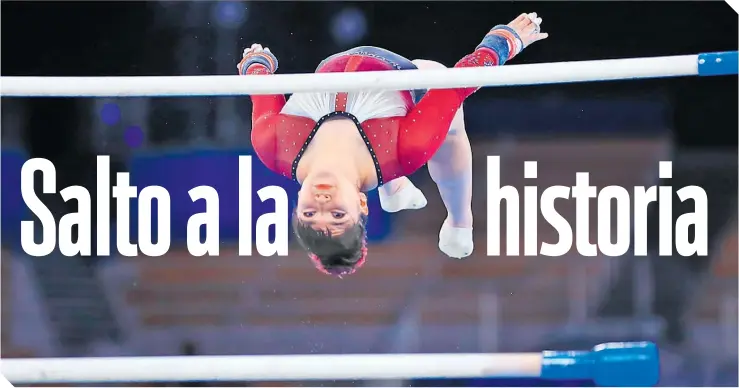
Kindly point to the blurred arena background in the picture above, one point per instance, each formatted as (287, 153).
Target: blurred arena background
(409, 297)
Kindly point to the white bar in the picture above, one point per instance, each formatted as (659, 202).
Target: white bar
(270, 368)
(534, 74)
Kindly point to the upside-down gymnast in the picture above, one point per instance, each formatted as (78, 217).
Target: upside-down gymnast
(340, 145)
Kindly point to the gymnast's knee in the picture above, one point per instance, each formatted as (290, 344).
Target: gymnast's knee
(425, 64)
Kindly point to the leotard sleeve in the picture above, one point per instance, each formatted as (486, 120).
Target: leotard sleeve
(265, 113)
(424, 128)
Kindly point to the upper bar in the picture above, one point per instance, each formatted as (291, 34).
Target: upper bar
(532, 74)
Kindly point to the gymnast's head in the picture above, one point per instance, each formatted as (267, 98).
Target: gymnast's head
(329, 221)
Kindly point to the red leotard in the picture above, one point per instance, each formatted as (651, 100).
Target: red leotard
(399, 145)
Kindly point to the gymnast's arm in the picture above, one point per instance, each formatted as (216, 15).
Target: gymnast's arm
(424, 128)
(265, 108)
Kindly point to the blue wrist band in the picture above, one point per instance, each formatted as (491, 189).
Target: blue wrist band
(498, 44)
(260, 59)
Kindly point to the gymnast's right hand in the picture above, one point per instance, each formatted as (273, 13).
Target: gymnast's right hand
(257, 56)
(528, 28)
(509, 40)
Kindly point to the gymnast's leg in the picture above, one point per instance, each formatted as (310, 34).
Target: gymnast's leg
(451, 169)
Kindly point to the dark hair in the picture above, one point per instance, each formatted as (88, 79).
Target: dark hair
(334, 255)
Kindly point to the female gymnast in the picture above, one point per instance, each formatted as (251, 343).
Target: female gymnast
(340, 145)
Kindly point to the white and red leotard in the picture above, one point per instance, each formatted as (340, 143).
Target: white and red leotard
(401, 136)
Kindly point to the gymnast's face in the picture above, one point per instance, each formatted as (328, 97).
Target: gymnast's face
(325, 201)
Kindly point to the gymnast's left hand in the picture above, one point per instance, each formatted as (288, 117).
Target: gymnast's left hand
(256, 54)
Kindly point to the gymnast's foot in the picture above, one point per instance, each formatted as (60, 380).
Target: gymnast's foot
(406, 197)
(455, 242)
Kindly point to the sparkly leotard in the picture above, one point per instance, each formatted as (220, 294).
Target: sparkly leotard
(400, 134)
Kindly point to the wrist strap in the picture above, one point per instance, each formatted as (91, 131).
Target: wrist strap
(264, 58)
(504, 41)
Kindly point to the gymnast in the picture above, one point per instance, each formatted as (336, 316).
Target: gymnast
(340, 145)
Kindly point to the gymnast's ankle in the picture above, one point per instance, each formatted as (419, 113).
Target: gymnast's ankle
(462, 221)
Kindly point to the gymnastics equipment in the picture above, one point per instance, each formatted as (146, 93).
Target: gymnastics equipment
(613, 364)
(708, 64)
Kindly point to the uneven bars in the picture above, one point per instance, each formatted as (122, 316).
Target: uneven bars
(612, 364)
(533, 74)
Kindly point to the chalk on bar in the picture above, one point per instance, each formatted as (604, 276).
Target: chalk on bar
(617, 364)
